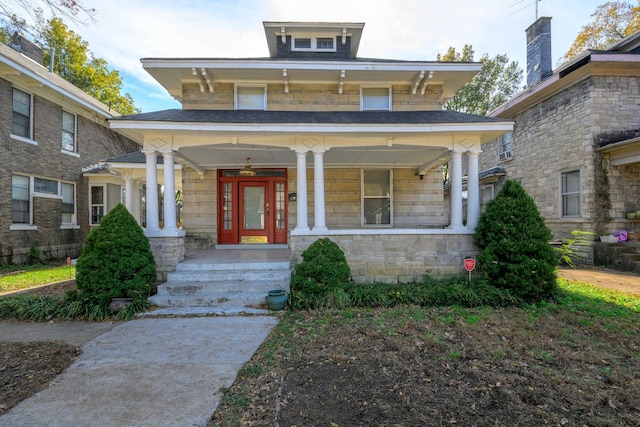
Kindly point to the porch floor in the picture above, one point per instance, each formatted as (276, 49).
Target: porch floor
(238, 253)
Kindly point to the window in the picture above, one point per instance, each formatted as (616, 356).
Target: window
(375, 98)
(97, 204)
(68, 203)
(47, 186)
(376, 197)
(570, 194)
(21, 118)
(68, 132)
(20, 200)
(504, 146)
(326, 44)
(251, 98)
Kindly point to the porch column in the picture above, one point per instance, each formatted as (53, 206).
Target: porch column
(318, 191)
(169, 192)
(456, 190)
(152, 192)
(128, 190)
(473, 190)
(301, 172)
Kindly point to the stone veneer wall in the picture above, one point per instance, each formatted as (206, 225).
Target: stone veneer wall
(397, 258)
(310, 97)
(167, 252)
(200, 207)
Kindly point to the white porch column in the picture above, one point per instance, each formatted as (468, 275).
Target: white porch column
(473, 190)
(301, 173)
(169, 192)
(318, 191)
(152, 192)
(456, 190)
(128, 190)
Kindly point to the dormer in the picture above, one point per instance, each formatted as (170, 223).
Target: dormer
(313, 40)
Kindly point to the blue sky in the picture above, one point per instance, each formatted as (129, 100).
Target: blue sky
(126, 30)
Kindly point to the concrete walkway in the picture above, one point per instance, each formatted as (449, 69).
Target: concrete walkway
(146, 372)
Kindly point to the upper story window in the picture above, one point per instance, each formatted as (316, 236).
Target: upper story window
(327, 44)
(376, 196)
(504, 146)
(570, 193)
(251, 97)
(375, 99)
(21, 124)
(68, 132)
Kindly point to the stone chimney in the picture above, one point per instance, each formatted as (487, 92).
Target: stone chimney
(21, 44)
(538, 51)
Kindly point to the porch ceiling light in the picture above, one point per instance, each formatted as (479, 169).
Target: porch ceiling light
(247, 170)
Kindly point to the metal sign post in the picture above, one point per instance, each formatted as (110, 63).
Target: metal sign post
(469, 265)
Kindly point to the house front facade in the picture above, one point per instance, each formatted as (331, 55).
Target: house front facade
(575, 146)
(49, 132)
(311, 142)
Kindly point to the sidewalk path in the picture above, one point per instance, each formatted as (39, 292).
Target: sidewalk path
(147, 372)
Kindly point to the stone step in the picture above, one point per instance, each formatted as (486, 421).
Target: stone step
(230, 275)
(263, 286)
(227, 266)
(216, 300)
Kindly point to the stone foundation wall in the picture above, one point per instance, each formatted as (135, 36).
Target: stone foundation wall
(397, 257)
(167, 252)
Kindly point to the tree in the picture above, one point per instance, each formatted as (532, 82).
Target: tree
(13, 13)
(612, 22)
(497, 81)
(74, 62)
(514, 243)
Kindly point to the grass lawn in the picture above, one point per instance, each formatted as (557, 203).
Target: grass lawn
(25, 277)
(575, 361)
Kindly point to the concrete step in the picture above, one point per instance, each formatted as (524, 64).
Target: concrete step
(192, 276)
(218, 299)
(226, 266)
(207, 287)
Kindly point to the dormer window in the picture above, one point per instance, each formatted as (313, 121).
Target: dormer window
(323, 44)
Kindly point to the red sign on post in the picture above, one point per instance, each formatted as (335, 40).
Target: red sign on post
(469, 264)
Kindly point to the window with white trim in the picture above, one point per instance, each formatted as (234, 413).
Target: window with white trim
(570, 194)
(375, 99)
(96, 203)
(504, 146)
(21, 123)
(68, 192)
(45, 186)
(251, 97)
(322, 44)
(376, 196)
(20, 199)
(68, 132)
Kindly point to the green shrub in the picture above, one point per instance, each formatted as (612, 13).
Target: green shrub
(514, 242)
(35, 256)
(116, 261)
(319, 280)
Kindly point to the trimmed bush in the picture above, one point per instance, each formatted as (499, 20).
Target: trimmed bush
(319, 280)
(116, 261)
(514, 242)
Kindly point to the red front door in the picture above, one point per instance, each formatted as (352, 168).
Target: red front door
(252, 209)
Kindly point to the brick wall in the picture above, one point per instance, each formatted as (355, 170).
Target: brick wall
(94, 141)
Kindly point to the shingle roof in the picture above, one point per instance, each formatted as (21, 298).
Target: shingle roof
(135, 157)
(311, 117)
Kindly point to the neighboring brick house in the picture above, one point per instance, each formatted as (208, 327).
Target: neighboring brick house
(575, 146)
(49, 131)
(368, 136)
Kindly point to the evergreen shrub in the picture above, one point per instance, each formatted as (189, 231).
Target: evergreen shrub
(514, 242)
(320, 279)
(116, 261)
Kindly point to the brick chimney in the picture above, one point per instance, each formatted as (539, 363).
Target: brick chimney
(538, 51)
(21, 44)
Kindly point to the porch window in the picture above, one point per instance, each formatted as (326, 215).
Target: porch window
(570, 193)
(97, 204)
(504, 146)
(21, 124)
(251, 97)
(68, 132)
(375, 98)
(376, 197)
(20, 200)
(68, 203)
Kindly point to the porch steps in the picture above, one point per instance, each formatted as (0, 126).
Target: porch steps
(623, 256)
(222, 285)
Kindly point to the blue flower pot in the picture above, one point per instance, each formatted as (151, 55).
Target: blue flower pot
(277, 299)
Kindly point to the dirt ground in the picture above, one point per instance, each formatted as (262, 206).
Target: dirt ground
(391, 374)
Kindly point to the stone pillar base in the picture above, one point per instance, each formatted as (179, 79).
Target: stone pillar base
(167, 252)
